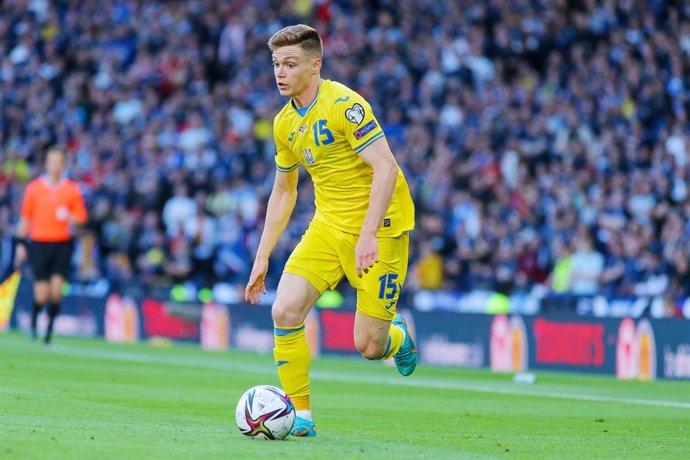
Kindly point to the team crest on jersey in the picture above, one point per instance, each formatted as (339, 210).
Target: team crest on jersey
(302, 128)
(355, 114)
(308, 157)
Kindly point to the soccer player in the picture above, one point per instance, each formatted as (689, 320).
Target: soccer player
(52, 207)
(360, 228)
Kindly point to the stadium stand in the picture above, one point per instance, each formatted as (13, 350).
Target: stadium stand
(544, 142)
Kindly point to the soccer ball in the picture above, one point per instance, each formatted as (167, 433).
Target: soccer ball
(266, 412)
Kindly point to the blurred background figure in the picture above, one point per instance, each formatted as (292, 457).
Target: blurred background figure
(586, 265)
(508, 117)
(51, 209)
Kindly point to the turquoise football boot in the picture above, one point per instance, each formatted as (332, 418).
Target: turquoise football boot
(303, 428)
(406, 358)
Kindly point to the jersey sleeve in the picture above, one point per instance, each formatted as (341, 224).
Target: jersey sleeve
(77, 206)
(28, 203)
(352, 115)
(285, 159)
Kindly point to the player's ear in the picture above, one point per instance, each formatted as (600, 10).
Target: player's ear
(316, 65)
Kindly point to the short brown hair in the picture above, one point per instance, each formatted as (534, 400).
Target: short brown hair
(56, 149)
(300, 35)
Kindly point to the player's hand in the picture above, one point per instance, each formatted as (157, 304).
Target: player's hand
(256, 284)
(366, 252)
(20, 255)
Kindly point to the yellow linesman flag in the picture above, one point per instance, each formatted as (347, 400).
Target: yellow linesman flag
(8, 292)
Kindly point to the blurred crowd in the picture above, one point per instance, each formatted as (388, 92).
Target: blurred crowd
(545, 142)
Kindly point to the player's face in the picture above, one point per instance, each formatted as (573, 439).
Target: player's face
(293, 70)
(55, 163)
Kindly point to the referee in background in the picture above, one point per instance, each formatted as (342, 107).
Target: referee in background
(52, 207)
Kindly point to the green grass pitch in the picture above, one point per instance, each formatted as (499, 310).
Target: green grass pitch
(93, 400)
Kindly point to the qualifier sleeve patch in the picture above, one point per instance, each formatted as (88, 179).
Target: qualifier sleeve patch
(366, 129)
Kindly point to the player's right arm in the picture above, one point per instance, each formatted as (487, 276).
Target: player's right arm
(20, 254)
(22, 232)
(280, 206)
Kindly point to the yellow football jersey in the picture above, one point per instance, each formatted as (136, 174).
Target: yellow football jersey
(326, 139)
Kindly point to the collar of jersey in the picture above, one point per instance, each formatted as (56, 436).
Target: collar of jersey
(48, 184)
(309, 107)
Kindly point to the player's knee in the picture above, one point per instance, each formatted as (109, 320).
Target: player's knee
(41, 292)
(370, 349)
(41, 297)
(285, 315)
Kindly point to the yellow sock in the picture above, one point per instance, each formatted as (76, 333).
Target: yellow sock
(395, 339)
(292, 358)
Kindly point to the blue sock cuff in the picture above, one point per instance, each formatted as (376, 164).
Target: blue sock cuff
(283, 331)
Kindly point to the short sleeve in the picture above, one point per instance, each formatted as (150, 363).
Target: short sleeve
(77, 205)
(285, 159)
(27, 211)
(354, 117)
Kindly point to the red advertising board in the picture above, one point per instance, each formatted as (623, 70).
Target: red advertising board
(160, 323)
(338, 330)
(569, 343)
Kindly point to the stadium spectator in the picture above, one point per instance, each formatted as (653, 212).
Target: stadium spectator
(507, 116)
(586, 267)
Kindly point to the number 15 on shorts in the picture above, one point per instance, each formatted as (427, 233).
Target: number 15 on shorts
(388, 286)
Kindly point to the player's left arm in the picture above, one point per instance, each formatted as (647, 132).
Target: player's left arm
(379, 156)
(77, 208)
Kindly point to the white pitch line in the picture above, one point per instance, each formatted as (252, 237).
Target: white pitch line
(447, 385)
(421, 382)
